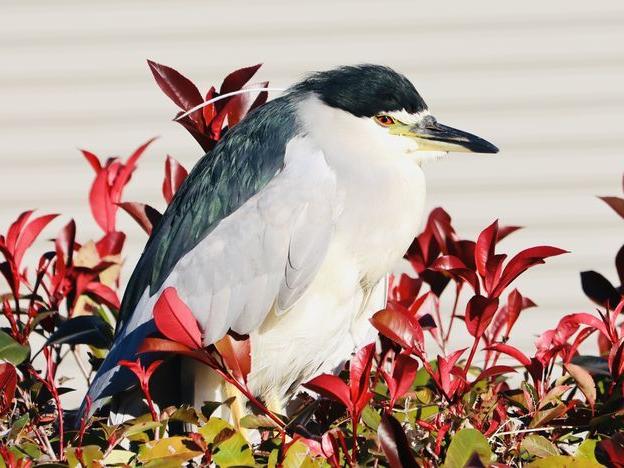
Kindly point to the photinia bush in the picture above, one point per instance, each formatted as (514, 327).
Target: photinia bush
(408, 399)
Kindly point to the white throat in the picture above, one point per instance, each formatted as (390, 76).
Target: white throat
(347, 140)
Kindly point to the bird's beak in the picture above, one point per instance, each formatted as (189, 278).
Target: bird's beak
(434, 136)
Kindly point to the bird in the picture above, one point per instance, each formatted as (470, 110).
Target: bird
(286, 231)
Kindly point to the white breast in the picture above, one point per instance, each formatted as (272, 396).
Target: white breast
(382, 197)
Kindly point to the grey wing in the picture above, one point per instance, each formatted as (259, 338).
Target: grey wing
(261, 256)
(264, 255)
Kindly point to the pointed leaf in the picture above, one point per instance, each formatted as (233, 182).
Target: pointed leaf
(145, 215)
(394, 442)
(177, 87)
(599, 289)
(616, 203)
(510, 351)
(479, 313)
(237, 356)
(174, 176)
(93, 160)
(175, 320)
(332, 387)
(522, 261)
(238, 78)
(359, 372)
(8, 384)
(463, 445)
(84, 329)
(584, 381)
(103, 294)
(11, 350)
(29, 234)
(485, 246)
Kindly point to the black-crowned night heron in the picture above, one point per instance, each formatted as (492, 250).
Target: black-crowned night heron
(288, 226)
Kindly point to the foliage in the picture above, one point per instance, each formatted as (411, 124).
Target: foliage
(409, 399)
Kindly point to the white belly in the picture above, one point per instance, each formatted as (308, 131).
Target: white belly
(328, 322)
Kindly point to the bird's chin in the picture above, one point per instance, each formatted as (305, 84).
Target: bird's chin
(426, 156)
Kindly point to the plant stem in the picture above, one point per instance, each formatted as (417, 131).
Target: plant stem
(473, 350)
(458, 288)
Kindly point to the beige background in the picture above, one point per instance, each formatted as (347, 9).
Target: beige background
(543, 80)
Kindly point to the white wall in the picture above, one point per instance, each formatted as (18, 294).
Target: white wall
(543, 80)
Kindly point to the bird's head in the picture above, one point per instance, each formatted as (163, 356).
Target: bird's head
(374, 108)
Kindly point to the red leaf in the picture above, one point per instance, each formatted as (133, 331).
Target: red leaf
(157, 345)
(176, 321)
(111, 244)
(66, 240)
(29, 234)
(516, 303)
(103, 294)
(479, 313)
(400, 326)
(332, 387)
(493, 372)
(616, 203)
(238, 106)
(101, 203)
(141, 373)
(406, 291)
(394, 443)
(145, 215)
(504, 231)
(400, 380)
(457, 268)
(210, 111)
(15, 229)
(174, 176)
(510, 351)
(485, 247)
(8, 384)
(523, 261)
(359, 376)
(180, 89)
(238, 78)
(616, 359)
(583, 318)
(610, 452)
(237, 356)
(126, 171)
(93, 160)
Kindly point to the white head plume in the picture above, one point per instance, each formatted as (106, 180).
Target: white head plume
(226, 95)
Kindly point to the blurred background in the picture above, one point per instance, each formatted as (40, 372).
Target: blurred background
(542, 80)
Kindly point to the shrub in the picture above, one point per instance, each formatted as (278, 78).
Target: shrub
(409, 399)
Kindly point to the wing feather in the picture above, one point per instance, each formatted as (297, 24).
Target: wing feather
(261, 258)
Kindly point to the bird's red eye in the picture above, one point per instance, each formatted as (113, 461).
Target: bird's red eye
(384, 120)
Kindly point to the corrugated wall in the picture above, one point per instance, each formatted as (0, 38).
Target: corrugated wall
(543, 80)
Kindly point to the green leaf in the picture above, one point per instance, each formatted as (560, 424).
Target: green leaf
(90, 453)
(139, 428)
(118, 457)
(539, 446)
(213, 428)
(587, 450)
(168, 452)
(296, 456)
(371, 418)
(542, 417)
(11, 350)
(233, 451)
(463, 445)
(560, 461)
(256, 421)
